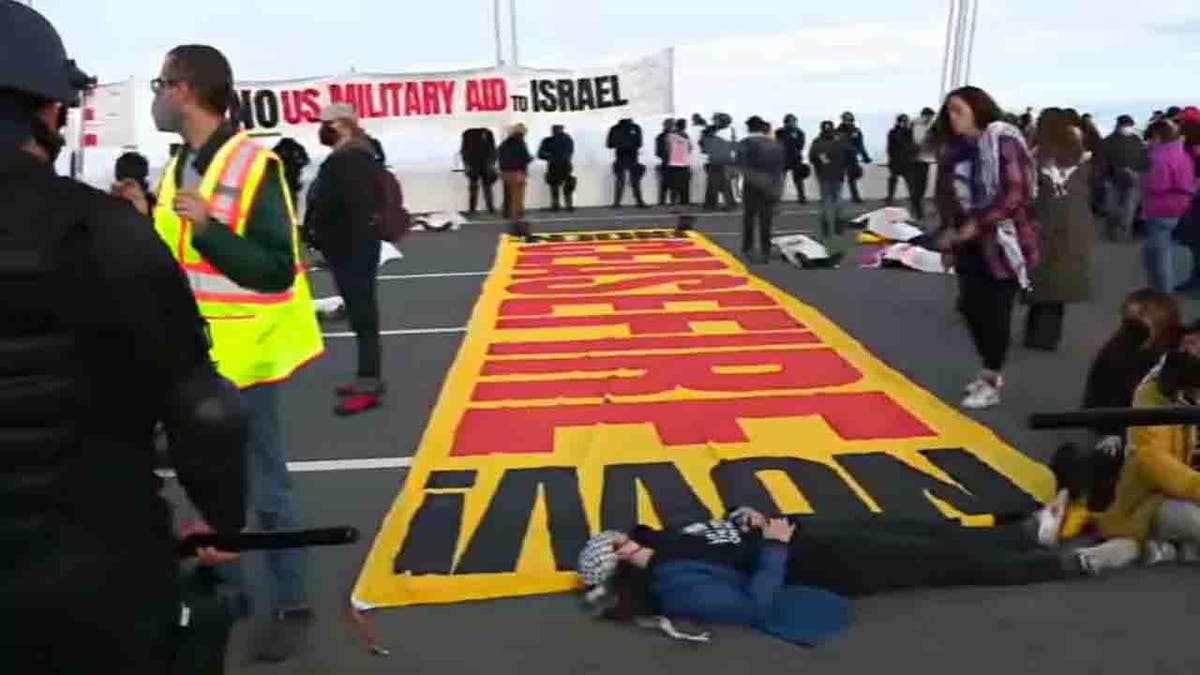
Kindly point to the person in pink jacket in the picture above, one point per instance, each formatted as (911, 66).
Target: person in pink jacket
(1167, 190)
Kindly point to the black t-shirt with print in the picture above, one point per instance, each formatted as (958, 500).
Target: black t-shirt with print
(716, 541)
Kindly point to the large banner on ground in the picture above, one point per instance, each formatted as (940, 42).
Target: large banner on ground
(610, 379)
(642, 87)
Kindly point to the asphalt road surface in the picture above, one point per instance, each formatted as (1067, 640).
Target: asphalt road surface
(1139, 621)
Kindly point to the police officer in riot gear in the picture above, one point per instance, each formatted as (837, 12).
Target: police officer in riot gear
(625, 140)
(556, 150)
(100, 339)
(478, 153)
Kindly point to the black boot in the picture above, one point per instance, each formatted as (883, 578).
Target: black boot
(554, 197)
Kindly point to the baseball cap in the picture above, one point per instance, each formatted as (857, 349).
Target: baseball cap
(339, 111)
(1190, 114)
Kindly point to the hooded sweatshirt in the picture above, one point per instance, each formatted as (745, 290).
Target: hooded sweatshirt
(1169, 186)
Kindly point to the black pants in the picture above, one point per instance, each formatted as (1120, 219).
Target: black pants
(680, 180)
(798, 181)
(718, 185)
(875, 557)
(918, 186)
(562, 184)
(632, 173)
(354, 272)
(894, 179)
(476, 181)
(759, 208)
(987, 305)
(854, 172)
(1043, 325)
(664, 183)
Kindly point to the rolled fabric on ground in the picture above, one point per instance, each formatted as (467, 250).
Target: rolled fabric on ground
(1125, 417)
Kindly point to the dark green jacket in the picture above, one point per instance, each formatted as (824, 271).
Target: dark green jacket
(262, 260)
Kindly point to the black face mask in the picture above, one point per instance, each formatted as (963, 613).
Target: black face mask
(1134, 332)
(51, 140)
(328, 136)
(1180, 373)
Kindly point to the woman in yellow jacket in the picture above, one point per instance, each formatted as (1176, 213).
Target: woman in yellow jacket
(1158, 491)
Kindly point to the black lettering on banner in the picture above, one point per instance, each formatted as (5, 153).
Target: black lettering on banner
(739, 484)
(902, 491)
(543, 96)
(433, 531)
(586, 95)
(616, 88)
(566, 95)
(520, 103)
(496, 544)
(603, 93)
(266, 109)
(246, 108)
(674, 501)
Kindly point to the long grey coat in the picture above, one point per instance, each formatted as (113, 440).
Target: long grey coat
(1068, 235)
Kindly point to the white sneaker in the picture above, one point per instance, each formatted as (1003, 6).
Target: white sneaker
(983, 396)
(1159, 552)
(1113, 554)
(1189, 552)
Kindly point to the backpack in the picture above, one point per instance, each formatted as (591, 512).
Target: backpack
(392, 219)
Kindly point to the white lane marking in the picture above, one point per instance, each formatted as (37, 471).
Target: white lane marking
(402, 331)
(434, 275)
(325, 465)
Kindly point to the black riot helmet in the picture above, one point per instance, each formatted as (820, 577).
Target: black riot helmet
(33, 59)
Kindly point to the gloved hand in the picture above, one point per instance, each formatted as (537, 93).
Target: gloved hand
(1111, 446)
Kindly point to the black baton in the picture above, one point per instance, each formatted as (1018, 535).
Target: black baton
(264, 541)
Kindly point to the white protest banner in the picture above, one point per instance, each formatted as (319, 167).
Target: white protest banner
(642, 87)
(108, 116)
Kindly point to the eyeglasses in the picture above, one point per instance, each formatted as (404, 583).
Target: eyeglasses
(160, 83)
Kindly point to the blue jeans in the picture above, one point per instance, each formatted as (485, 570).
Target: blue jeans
(1156, 252)
(272, 502)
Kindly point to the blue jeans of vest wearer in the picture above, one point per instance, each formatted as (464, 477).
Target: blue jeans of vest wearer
(272, 506)
(1156, 252)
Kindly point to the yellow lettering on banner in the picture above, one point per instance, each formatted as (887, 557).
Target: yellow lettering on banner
(611, 379)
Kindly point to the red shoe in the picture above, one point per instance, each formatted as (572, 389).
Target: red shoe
(357, 403)
(353, 389)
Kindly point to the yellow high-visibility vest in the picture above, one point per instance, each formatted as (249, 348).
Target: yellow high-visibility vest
(257, 337)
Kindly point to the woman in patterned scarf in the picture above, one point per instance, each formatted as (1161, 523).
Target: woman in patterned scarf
(985, 192)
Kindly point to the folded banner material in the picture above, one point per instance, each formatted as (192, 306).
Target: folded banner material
(613, 378)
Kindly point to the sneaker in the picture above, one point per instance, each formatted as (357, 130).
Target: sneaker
(356, 387)
(1111, 555)
(1189, 552)
(277, 639)
(1050, 519)
(357, 403)
(984, 396)
(1159, 552)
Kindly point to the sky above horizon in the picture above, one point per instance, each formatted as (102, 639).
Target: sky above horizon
(778, 54)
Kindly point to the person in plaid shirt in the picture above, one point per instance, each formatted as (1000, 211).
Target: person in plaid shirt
(985, 192)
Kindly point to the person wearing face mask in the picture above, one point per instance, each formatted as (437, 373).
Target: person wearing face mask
(902, 156)
(1158, 491)
(341, 214)
(557, 150)
(101, 339)
(1125, 159)
(828, 157)
(225, 215)
(791, 138)
(855, 148)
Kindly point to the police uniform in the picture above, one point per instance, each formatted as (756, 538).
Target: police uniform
(99, 340)
(557, 150)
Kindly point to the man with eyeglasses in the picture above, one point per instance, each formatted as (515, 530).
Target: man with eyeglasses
(224, 211)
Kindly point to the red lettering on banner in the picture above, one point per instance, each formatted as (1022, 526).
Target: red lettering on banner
(530, 259)
(577, 285)
(392, 91)
(790, 369)
(474, 97)
(430, 98)
(291, 106)
(661, 322)
(857, 416)
(412, 99)
(446, 88)
(627, 303)
(649, 343)
(598, 269)
(310, 105)
(373, 105)
(496, 93)
(585, 248)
